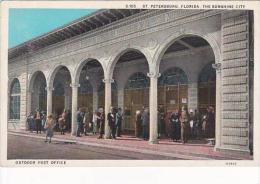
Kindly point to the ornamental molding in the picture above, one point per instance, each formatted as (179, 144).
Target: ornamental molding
(74, 85)
(154, 75)
(108, 80)
(217, 67)
(49, 88)
(127, 29)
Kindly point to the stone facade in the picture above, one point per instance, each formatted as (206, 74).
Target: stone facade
(151, 33)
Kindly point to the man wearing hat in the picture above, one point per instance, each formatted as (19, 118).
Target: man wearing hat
(184, 119)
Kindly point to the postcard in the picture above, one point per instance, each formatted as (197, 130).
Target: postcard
(158, 83)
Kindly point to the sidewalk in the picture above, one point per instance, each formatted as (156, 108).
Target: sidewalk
(195, 150)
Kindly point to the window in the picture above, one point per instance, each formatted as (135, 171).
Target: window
(15, 100)
(137, 81)
(173, 76)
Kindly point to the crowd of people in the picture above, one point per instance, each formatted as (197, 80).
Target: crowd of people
(180, 125)
(186, 125)
(96, 123)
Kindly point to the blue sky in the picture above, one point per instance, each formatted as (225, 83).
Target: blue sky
(25, 24)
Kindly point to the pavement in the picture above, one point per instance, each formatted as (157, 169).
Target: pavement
(166, 149)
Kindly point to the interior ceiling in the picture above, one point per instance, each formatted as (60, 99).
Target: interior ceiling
(185, 43)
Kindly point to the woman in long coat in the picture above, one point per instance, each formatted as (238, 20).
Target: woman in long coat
(175, 126)
(49, 125)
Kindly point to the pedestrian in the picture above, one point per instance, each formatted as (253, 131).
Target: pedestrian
(30, 121)
(61, 123)
(175, 126)
(43, 120)
(204, 126)
(119, 118)
(197, 124)
(38, 121)
(145, 123)
(192, 124)
(68, 120)
(101, 120)
(111, 117)
(138, 123)
(86, 121)
(79, 121)
(184, 120)
(95, 122)
(159, 127)
(211, 122)
(49, 126)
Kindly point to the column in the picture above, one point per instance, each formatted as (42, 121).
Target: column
(29, 102)
(107, 104)
(74, 108)
(153, 107)
(66, 98)
(95, 100)
(49, 99)
(217, 67)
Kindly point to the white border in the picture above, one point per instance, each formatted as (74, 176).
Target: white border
(253, 5)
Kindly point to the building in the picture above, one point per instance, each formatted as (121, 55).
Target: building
(133, 58)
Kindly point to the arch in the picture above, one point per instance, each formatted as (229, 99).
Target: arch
(137, 80)
(33, 77)
(170, 40)
(53, 73)
(173, 76)
(79, 68)
(115, 58)
(15, 99)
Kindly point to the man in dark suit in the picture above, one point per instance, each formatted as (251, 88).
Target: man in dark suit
(119, 122)
(111, 117)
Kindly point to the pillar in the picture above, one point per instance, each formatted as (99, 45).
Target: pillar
(108, 100)
(49, 99)
(29, 102)
(218, 106)
(153, 139)
(235, 34)
(67, 98)
(74, 108)
(95, 100)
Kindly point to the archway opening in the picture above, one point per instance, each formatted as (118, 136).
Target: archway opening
(172, 93)
(38, 92)
(15, 100)
(91, 77)
(136, 99)
(184, 82)
(133, 88)
(62, 93)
